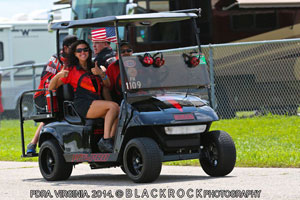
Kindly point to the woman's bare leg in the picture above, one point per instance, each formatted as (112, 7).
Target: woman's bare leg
(106, 109)
(114, 128)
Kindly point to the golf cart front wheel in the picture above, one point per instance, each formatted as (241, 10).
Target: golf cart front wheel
(52, 164)
(218, 155)
(142, 160)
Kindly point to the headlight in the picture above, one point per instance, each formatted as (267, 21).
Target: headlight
(183, 130)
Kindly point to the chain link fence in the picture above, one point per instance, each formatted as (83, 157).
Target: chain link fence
(246, 78)
(261, 77)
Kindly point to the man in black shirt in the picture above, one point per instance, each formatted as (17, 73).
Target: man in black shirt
(104, 55)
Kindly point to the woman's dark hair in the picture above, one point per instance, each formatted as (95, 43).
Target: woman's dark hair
(73, 60)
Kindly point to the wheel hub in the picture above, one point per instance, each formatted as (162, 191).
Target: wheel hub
(212, 155)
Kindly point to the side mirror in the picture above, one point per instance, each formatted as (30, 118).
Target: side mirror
(50, 20)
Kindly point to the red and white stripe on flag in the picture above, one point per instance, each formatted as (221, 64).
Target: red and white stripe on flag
(104, 34)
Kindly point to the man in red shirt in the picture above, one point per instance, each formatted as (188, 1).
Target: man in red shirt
(50, 70)
(113, 72)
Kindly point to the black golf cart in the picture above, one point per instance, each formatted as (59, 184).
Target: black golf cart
(162, 115)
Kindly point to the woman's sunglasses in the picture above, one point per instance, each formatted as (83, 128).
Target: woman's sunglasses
(79, 50)
(126, 50)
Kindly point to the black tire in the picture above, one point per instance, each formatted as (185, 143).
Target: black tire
(219, 154)
(142, 160)
(123, 169)
(52, 164)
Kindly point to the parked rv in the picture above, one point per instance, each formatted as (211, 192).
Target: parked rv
(23, 42)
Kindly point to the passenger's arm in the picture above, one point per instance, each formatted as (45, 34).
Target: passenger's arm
(55, 81)
(106, 94)
(106, 81)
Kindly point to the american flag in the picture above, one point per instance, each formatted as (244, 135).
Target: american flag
(104, 34)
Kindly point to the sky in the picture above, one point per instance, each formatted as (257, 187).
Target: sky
(8, 8)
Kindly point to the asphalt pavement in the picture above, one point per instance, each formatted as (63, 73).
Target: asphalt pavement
(22, 180)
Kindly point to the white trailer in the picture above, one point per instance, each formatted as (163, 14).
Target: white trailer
(23, 42)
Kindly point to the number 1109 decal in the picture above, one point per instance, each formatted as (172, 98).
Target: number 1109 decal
(133, 85)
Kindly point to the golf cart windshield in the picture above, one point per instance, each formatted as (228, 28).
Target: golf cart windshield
(174, 73)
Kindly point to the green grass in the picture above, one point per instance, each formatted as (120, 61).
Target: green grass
(273, 141)
(10, 139)
(268, 141)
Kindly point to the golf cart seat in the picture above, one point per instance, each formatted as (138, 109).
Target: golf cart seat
(71, 115)
(92, 127)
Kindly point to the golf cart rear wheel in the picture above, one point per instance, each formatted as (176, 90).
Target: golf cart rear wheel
(52, 164)
(142, 160)
(218, 155)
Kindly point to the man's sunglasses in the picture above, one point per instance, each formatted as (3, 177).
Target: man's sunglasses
(126, 50)
(79, 50)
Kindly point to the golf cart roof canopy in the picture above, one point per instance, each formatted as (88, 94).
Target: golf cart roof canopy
(136, 19)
